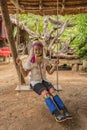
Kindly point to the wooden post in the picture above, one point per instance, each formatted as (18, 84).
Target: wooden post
(75, 67)
(8, 25)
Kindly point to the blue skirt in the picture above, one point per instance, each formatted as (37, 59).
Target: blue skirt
(39, 87)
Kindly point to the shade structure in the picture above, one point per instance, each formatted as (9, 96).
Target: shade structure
(48, 7)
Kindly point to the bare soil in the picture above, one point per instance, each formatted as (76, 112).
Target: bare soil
(27, 110)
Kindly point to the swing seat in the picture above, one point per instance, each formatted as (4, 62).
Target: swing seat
(28, 88)
(23, 88)
(58, 88)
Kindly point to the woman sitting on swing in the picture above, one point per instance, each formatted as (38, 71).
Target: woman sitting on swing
(38, 65)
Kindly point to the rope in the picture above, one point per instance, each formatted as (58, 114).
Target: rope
(57, 74)
(17, 17)
(18, 39)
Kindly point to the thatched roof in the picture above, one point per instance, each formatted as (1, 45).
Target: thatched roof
(48, 7)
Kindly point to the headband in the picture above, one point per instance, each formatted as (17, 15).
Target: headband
(37, 43)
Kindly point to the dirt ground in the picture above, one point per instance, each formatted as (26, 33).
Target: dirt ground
(27, 111)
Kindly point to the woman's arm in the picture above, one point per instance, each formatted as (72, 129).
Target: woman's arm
(23, 71)
(50, 69)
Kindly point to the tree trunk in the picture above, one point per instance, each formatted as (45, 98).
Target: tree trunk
(10, 37)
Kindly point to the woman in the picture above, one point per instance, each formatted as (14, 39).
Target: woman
(36, 66)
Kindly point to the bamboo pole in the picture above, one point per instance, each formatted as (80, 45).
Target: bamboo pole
(8, 26)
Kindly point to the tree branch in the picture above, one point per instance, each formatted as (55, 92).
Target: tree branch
(58, 35)
(64, 56)
(53, 21)
(23, 27)
(65, 45)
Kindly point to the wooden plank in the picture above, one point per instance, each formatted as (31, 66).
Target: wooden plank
(76, 6)
(65, 61)
(51, 12)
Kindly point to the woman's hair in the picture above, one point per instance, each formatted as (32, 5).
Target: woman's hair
(32, 56)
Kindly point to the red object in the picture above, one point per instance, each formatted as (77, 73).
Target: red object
(5, 51)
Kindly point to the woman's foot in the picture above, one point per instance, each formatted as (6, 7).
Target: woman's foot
(59, 117)
(67, 115)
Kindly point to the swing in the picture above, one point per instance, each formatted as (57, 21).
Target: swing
(28, 87)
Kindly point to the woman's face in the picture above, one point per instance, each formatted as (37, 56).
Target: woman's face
(38, 51)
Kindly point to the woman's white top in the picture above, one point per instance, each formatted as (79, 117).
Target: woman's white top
(38, 72)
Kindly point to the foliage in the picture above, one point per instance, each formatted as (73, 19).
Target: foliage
(36, 23)
(32, 21)
(81, 40)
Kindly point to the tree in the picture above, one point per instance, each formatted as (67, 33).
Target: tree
(49, 30)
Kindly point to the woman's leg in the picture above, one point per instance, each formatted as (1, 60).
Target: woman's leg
(59, 103)
(56, 98)
(49, 102)
(51, 106)
(42, 90)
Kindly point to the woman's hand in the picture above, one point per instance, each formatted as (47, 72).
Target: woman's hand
(23, 71)
(56, 63)
(19, 62)
(50, 69)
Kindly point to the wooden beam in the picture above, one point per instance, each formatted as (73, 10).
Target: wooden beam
(8, 26)
(52, 11)
(17, 5)
(40, 5)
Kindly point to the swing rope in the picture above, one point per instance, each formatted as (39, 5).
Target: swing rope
(17, 36)
(57, 74)
(20, 86)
